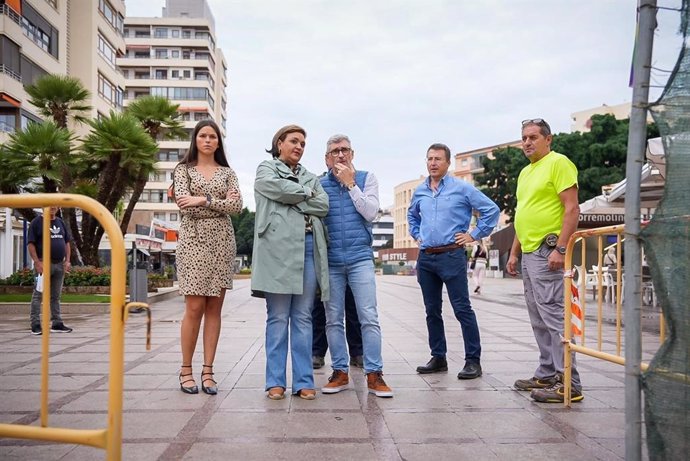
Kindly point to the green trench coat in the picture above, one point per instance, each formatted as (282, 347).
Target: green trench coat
(282, 199)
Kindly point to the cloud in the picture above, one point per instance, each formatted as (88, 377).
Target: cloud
(398, 75)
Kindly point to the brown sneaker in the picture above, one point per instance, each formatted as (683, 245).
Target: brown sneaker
(338, 381)
(377, 385)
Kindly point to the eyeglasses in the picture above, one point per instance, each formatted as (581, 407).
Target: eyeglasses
(536, 121)
(340, 150)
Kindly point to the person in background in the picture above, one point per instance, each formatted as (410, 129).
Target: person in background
(479, 260)
(610, 257)
(207, 191)
(59, 266)
(439, 217)
(353, 205)
(546, 216)
(290, 259)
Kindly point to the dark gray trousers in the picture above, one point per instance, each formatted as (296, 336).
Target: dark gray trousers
(57, 276)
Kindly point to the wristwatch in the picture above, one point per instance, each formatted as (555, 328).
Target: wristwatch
(208, 199)
(561, 249)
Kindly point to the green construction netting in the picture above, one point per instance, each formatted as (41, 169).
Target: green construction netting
(666, 384)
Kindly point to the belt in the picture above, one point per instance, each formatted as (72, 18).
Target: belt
(442, 249)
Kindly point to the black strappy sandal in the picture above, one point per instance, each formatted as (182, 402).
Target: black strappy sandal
(210, 390)
(187, 389)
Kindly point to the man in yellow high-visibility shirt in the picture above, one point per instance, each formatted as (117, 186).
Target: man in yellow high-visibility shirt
(546, 216)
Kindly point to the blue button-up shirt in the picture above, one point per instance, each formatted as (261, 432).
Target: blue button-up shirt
(435, 217)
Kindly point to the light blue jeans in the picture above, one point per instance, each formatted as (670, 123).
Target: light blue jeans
(293, 312)
(360, 277)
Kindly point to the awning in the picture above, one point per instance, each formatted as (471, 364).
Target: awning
(11, 100)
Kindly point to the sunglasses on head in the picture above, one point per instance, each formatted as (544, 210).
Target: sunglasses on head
(536, 121)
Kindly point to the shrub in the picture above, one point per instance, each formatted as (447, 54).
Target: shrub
(88, 276)
(22, 277)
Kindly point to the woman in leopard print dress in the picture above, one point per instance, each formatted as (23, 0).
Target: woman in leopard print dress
(207, 192)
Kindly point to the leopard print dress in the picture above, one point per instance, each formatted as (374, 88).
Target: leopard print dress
(206, 244)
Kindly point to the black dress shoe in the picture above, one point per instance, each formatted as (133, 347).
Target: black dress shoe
(434, 365)
(472, 370)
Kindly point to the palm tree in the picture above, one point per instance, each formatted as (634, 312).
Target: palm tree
(159, 118)
(61, 98)
(119, 149)
(33, 152)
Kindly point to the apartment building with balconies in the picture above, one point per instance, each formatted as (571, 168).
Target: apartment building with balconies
(402, 196)
(174, 56)
(33, 43)
(80, 39)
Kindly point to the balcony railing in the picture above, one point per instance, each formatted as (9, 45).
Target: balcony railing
(13, 15)
(6, 70)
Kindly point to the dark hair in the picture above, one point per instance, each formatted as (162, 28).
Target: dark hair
(192, 155)
(439, 146)
(280, 136)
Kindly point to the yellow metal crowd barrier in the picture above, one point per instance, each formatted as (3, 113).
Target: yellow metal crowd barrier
(599, 279)
(109, 438)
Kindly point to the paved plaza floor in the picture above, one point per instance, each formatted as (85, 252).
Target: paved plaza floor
(432, 417)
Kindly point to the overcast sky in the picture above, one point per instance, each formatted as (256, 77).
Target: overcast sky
(399, 75)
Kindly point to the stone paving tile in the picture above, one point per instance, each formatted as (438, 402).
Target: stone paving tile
(232, 425)
(423, 427)
(432, 416)
(446, 452)
(258, 451)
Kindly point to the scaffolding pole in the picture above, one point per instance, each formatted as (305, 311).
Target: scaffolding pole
(637, 144)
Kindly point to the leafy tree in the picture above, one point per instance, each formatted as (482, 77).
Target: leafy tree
(243, 224)
(499, 179)
(600, 156)
(116, 150)
(159, 118)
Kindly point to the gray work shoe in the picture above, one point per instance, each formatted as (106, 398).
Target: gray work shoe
(534, 383)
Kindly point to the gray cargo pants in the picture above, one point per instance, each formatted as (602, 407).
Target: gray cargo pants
(544, 297)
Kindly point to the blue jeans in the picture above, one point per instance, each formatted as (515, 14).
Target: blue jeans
(433, 270)
(293, 312)
(353, 330)
(360, 277)
(57, 276)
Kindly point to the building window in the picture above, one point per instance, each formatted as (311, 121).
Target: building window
(161, 74)
(175, 54)
(187, 73)
(160, 32)
(186, 34)
(173, 216)
(175, 33)
(160, 216)
(114, 18)
(162, 53)
(39, 30)
(109, 92)
(107, 51)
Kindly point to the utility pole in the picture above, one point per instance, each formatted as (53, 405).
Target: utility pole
(637, 143)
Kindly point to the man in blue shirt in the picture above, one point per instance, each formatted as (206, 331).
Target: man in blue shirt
(439, 218)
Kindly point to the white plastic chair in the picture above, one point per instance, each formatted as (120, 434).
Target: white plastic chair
(607, 282)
